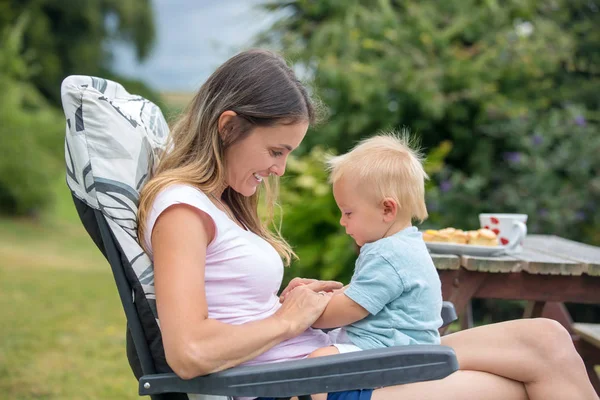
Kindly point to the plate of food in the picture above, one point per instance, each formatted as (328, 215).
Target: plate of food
(480, 242)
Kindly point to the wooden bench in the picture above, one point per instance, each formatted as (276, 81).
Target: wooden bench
(549, 272)
(588, 332)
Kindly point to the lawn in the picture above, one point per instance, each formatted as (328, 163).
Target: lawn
(63, 328)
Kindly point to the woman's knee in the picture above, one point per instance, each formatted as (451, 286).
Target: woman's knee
(551, 341)
(549, 333)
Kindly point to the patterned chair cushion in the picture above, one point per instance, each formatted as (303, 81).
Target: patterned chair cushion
(111, 144)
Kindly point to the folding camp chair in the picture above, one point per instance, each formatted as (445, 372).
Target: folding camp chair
(112, 141)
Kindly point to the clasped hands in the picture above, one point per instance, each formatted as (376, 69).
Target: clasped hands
(303, 302)
(321, 287)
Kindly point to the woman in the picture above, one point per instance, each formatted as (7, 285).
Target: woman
(218, 268)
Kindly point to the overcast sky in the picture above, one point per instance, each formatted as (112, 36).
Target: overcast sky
(193, 38)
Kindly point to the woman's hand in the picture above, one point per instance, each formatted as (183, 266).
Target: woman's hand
(312, 284)
(301, 307)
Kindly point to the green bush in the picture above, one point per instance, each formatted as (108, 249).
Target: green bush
(68, 38)
(31, 134)
(494, 79)
(31, 127)
(549, 169)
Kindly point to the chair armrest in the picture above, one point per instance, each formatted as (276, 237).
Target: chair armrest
(448, 313)
(358, 370)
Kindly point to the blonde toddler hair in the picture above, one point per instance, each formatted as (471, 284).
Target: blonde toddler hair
(386, 165)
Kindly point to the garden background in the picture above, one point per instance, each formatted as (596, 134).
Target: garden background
(503, 96)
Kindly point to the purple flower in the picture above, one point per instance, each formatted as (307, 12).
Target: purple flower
(543, 212)
(579, 216)
(445, 186)
(580, 120)
(433, 206)
(537, 139)
(512, 157)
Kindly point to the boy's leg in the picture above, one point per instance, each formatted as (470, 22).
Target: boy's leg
(323, 351)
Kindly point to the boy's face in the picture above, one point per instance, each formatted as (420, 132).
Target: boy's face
(362, 217)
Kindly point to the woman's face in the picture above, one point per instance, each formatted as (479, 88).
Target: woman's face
(263, 152)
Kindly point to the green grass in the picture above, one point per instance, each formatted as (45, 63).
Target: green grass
(63, 328)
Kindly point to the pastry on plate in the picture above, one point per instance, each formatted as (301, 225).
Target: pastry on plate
(451, 235)
(458, 236)
(483, 237)
(429, 235)
(480, 237)
(432, 235)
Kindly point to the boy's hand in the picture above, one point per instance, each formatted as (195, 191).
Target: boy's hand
(313, 284)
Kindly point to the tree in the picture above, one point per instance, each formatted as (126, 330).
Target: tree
(491, 77)
(43, 41)
(68, 37)
(31, 132)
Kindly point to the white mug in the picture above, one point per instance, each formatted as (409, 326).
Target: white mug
(510, 228)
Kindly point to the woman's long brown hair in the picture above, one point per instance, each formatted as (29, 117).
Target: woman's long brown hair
(262, 90)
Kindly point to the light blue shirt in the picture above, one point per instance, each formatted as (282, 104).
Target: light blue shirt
(396, 282)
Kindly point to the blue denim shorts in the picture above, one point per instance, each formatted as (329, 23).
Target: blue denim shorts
(364, 394)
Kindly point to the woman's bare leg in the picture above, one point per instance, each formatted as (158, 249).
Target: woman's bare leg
(538, 352)
(517, 360)
(461, 385)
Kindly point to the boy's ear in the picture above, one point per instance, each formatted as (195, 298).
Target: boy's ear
(390, 209)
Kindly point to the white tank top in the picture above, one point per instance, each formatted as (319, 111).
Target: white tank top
(243, 274)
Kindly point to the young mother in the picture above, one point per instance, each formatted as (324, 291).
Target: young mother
(218, 268)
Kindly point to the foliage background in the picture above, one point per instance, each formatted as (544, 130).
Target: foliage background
(502, 95)
(41, 43)
(510, 87)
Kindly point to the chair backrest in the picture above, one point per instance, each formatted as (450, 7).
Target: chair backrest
(111, 145)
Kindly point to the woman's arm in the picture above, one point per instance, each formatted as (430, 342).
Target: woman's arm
(340, 311)
(195, 345)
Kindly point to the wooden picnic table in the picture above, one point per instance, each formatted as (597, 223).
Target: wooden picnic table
(549, 272)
